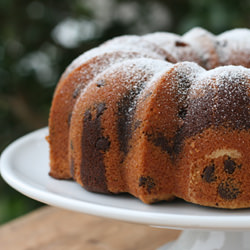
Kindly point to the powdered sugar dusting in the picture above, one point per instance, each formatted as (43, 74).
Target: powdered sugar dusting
(132, 41)
(239, 34)
(139, 62)
(197, 45)
(234, 47)
(108, 50)
(134, 75)
(203, 44)
(221, 77)
(165, 40)
(175, 45)
(135, 70)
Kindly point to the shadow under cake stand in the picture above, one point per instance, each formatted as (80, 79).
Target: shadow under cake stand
(24, 165)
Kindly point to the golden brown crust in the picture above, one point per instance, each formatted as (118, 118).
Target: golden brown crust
(66, 94)
(129, 75)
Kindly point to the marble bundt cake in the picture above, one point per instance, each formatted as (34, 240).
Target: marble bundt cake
(158, 116)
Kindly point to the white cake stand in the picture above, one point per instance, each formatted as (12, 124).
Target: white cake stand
(25, 165)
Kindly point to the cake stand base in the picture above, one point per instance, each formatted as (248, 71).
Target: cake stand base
(210, 240)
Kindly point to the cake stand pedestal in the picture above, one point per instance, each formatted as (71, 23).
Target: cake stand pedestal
(210, 240)
(25, 165)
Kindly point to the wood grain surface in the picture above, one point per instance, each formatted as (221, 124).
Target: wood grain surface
(50, 228)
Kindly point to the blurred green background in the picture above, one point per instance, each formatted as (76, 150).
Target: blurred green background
(38, 39)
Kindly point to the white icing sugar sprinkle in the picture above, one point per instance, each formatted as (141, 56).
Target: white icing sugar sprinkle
(221, 77)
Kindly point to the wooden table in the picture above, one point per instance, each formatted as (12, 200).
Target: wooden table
(50, 228)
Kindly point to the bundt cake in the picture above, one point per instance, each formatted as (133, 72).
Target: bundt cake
(158, 116)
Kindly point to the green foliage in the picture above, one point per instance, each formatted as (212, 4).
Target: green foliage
(34, 51)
